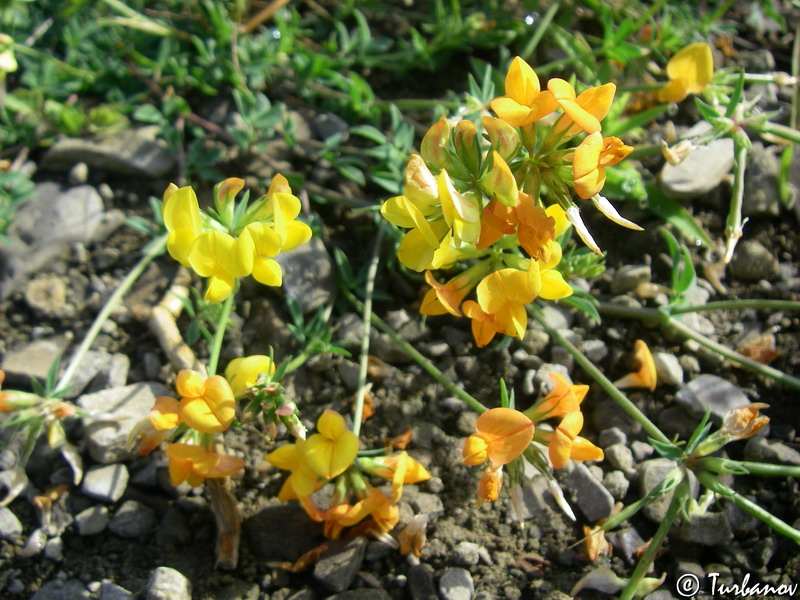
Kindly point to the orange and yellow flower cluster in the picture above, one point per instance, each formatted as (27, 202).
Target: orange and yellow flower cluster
(503, 434)
(331, 456)
(233, 241)
(501, 200)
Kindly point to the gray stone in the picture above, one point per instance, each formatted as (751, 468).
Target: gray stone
(620, 457)
(348, 371)
(132, 519)
(629, 277)
(613, 435)
(701, 171)
(308, 276)
(641, 450)
(752, 262)
(759, 449)
(536, 500)
(10, 525)
(466, 554)
(668, 368)
(241, 590)
(420, 583)
(135, 152)
(329, 125)
(92, 520)
(456, 584)
(70, 589)
(404, 325)
(713, 393)
(34, 545)
(543, 379)
(762, 196)
(607, 414)
(111, 591)
(627, 542)
(560, 355)
(106, 484)
(99, 370)
(54, 549)
(429, 504)
(33, 360)
(651, 472)
(361, 594)
(45, 227)
(78, 174)
(535, 341)
(338, 566)
(47, 296)
(595, 350)
(709, 529)
(281, 532)
(593, 500)
(165, 583)
(616, 484)
(113, 413)
(557, 317)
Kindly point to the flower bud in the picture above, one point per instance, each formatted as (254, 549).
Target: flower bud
(502, 136)
(435, 144)
(465, 139)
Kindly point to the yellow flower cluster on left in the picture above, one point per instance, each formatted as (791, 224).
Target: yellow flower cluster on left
(233, 241)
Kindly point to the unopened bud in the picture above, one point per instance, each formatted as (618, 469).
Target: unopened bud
(677, 153)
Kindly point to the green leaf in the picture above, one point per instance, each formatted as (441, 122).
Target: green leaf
(676, 215)
(787, 198)
(147, 113)
(639, 119)
(585, 305)
(699, 434)
(708, 112)
(736, 96)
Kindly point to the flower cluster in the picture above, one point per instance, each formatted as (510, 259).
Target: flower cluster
(331, 456)
(233, 241)
(503, 434)
(501, 200)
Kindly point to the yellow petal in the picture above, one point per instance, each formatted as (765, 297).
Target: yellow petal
(190, 383)
(522, 84)
(553, 286)
(420, 185)
(414, 251)
(396, 211)
(511, 111)
(583, 449)
(243, 373)
(560, 216)
(218, 289)
(508, 432)
(674, 91)
(265, 241)
(694, 63)
(327, 458)
(286, 457)
(267, 271)
(164, 414)
(297, 234)
(475, 450)
(565, 96)
(213, 412)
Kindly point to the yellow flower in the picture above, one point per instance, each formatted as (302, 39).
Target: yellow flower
(490, 484)
(594, 153)
(207, 404)
(222, 259)
(182, 220)
(8, 62)
(565, 443)
(565, 398)
(194, 464)
(551, 282)
(744, 422)
(329, 452)
(645, 376)
(504, 294)
(165, 413)
(242, 373)
(524, 102)
(302, 481)
(401, 466)
(447, 298)
(585, 111)
(689, 72)
(502, 434)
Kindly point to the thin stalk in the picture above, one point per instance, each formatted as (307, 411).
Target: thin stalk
(734, 224)
(734, 356)
(363, 361)
(738, 305)
(219, 334)
(412, 352)
(155, 250)
(715, 485)
(534, 40)
(713, 463)
(643, 566)
(718, 13)
(787, 133)
(645, 17)
(605, 383)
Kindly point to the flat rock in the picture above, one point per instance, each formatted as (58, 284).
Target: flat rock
(107, 483)
(99, 370)
(165, 583)
(47, 296)
(132, 519)
(338, 566)
(111, 591)
(113, 413)
(10, 525)
(593, 500)
(420, 583)
(308, 274)
(456, 584)
(70, 589)
(651, 472)
(759, 449)
(33, 360)
(134, 152)
(753, 262)
(281, 532)
(668, 368)
(629, 277)
(92, 520)
(701, 171)
(713, 393)
(709, 529)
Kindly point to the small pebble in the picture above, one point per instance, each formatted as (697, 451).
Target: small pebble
(165, 583)
(611, 436)
(456, 584)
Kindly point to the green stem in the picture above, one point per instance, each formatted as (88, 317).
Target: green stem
(534, 40)
(219, 334)
(412, 352)
(155, 250)
(715, 485)
(651, 314)
(83, 74)
(363, 361)
(718, 13)
(605, 383)
(734, 224)
(643, 566)
(738, 305)
(787, 133)
(713, 463)
(644, 18)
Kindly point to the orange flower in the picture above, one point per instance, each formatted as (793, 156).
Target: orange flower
(583, 112)
(207, 404)
(744, 422)
(4, 406)
(645, 376)
(524, 102)
(490, 484)
(194, 464)
(594, 153)
(413, 537)
(565, 443)
(447, 298)
(565, 398)
(502, 435)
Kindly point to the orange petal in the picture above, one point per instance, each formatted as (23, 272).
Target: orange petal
(507, 431)
(164, 414)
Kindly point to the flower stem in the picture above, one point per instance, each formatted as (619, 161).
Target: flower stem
(363, 361)
(219, 334)
(643, 566)
(713, 463)
(155, 250)
(738, 305)
(605, 383)
(715, 485)
(734, 224)
(412, 352)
